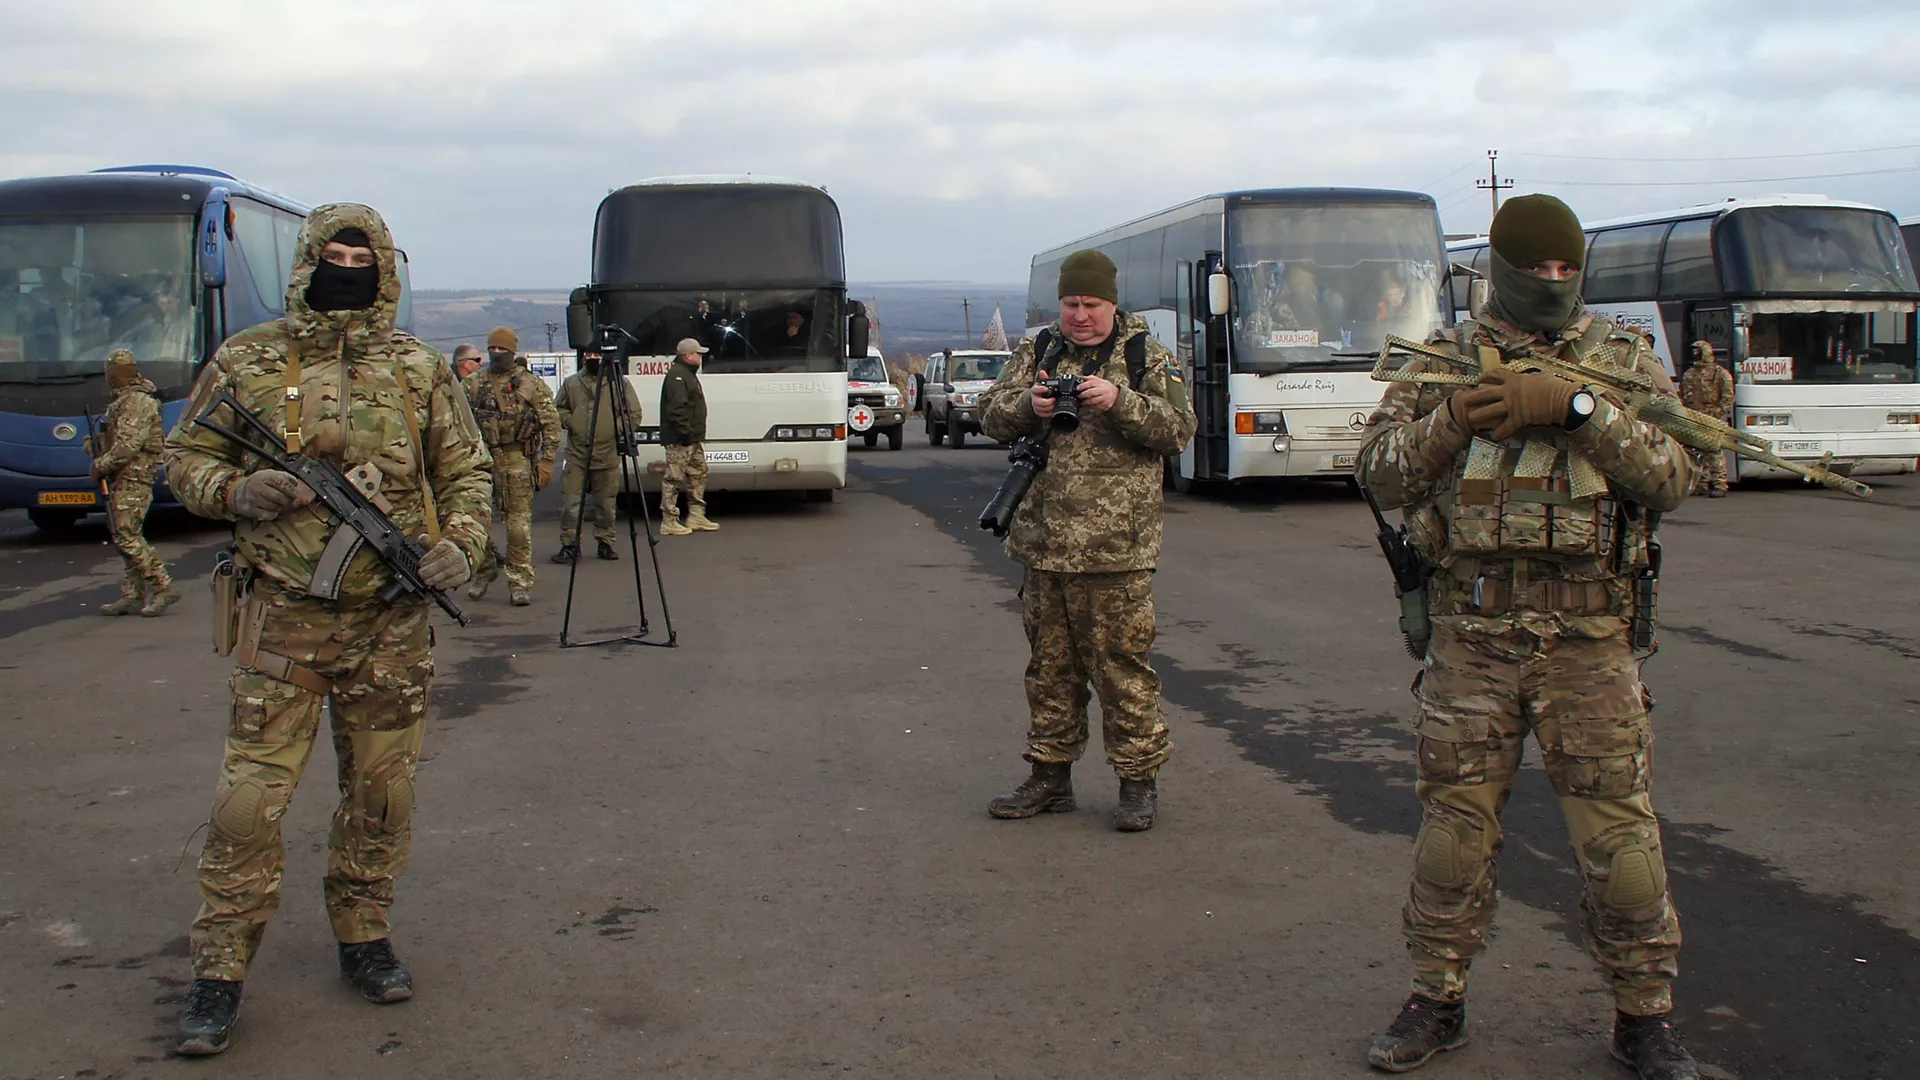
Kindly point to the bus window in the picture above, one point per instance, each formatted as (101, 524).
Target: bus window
(257, 231)
(73, 290)
(1623, 264)
(1689, 269)
(755, 330)
(1812, 249)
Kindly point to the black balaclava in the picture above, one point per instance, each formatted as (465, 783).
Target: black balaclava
(500, 361)
(344, 288)
(591, 363)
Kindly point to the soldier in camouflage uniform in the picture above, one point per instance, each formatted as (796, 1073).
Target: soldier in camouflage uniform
(683, 428)
(522, 428)
(1707, 387)
(1089, 535)
(127, 458)
(591, 468)
(1529, 497)
(346, 386)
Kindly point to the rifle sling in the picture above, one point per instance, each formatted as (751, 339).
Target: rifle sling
(419, 452)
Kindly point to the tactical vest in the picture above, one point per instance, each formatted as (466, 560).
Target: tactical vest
(506, 420)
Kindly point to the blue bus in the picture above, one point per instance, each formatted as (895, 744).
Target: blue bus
(165, 260)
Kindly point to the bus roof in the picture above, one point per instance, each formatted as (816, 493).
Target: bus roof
(1727, 206)
(138, 189)
(724, 180)
(1257, 196)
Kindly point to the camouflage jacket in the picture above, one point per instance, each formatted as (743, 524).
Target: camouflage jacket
(131, 438)
(515, 411)
(1414, 455)
(1096, 507)
(350, 358)
(577, 416)
(1707, 387)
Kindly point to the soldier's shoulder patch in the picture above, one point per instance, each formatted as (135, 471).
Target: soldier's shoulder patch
(1172, 368)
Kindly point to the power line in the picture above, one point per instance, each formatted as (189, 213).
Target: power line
(1428, 186)
(1712, 183)
(1751, 157)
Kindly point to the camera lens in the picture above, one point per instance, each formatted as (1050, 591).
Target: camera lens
(1066, 415)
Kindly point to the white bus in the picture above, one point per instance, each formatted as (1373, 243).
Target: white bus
(752, 267)
(1315, 273)
(1810, 299)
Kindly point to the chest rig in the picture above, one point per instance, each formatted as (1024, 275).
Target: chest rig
(505, 418)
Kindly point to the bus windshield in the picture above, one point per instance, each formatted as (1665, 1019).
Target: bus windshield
(1310, 281)
(73, 290)
(866, 369)
(1813, 250)
(745, 331)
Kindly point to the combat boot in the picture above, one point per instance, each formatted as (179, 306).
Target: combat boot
(374, 971)
(670, 526)
(520, 598)
(567, 553)
(1424, 1028)
(1649, 1046)
(698, 521)
(126, 605)
(1139, 803)
(1049, 790)
(478, 589)
(160, 602)
(606, 551)
(207, 1023)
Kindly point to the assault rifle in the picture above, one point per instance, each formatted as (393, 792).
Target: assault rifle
(1663, 410)
(358, 509)
(94, 450)
(1409, 579)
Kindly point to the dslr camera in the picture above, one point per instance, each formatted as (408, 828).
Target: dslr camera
(1066, 396)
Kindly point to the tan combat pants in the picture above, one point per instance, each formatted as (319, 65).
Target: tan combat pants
(686, 471)
(1094, 628)
(513, 487)
(1480, 695)
(129, 497)
(375, 664)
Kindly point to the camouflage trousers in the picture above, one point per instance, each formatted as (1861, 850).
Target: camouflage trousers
(605, 484)
(379, 662)
(1098, 629)
(513, 491)
(1479, 697)
(686, 471)
(129, 496)
(1710, 471)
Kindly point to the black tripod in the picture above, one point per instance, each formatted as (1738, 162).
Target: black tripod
(610, 379)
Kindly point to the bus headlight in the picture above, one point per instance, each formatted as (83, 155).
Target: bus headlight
(1259, 423)
(1903, 418)
(1769, 419)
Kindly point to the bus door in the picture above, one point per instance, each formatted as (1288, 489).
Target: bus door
(1211, 405)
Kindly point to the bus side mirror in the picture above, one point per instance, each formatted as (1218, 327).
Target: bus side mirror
(579, 322)
(859, 329)
(1219, 293)
(1478, 290)
(211, 238)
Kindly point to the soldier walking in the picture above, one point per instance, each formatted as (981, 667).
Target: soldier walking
(1707, 387)
(1089, 536)
(596, 467)
(521, 427)
(126, 459)
(1532, 499)
(345, 386)
(683, 428)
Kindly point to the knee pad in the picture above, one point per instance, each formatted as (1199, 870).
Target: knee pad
(1636, 870)
(384, 796)
(245, 809)
(1448, 853)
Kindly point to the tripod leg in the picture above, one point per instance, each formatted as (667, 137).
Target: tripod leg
(629, 478)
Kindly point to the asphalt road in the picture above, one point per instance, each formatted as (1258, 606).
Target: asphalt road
(766, 854)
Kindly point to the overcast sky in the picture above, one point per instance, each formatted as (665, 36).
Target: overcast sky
(958, 136)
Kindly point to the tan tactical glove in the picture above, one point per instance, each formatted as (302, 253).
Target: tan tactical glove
(444, 567)
(1462, 404)
(264, 496)
(1533, 399)
(542, 474)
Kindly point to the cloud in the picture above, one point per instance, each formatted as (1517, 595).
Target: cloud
(958, 137)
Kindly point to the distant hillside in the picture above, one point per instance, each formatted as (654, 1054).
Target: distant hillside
(914, 317)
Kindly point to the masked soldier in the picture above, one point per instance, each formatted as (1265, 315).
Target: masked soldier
(1531, 497)
(594, 467)
(683, 428)
(1708, 388)
(518, 420)
(1089, 535)
(345, 386)
(127, 457)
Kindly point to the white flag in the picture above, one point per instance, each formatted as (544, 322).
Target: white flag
(996, 336)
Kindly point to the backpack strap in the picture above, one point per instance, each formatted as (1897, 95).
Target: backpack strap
(1137, 360)
(419, 451)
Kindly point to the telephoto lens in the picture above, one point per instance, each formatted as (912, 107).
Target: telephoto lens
(1028, 458)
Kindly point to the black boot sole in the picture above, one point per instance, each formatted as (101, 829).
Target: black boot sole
(1059, 804)
(1614, 1052)
(392, 995)
(1132, 824)
(203, 1045)
(1409, 1066)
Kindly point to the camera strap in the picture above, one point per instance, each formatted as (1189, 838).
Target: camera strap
(1136, 355)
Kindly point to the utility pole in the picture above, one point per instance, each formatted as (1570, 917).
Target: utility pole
(1493, 185)
(966, 312)
(551, 328)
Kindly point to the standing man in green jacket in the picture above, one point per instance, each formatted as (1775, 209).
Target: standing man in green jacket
(683, 427)
(596, 467)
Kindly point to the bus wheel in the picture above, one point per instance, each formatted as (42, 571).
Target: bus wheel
(896, 435)
(819, 495)
(52, 519)
(1182, 483)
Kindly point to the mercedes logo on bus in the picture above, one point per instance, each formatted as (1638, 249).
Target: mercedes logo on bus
(1357, 421)
(65, 431)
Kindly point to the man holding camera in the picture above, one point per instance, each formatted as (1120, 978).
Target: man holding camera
(1089, 536)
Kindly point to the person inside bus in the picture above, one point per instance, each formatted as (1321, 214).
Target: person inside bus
(157, 327)
(1397, 314)
(793, 340)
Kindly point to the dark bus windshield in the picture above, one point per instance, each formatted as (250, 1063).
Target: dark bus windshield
(755, 330)
(718, 234)
(73, 290)
(1813, 251)
(1310, 281)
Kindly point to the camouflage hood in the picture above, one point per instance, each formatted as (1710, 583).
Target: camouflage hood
(320, 331)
